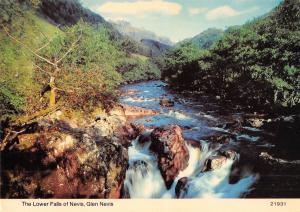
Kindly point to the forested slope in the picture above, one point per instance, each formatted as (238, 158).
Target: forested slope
(59, 47)
(256, 64)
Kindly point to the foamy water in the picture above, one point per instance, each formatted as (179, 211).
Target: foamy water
(143, 177)
(145, 181)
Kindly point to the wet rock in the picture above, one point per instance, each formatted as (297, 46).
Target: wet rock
(133, 112)
(255, 122)
(171, 150)
(135, 130)
(229, 154)
(194, 143)
(188, 128)
(144, 138)
(234, 125)
(130, 92)
(246, 162)
(214, 162)
(181, 187)
(129, 132)
(219, 139)
(166, 103)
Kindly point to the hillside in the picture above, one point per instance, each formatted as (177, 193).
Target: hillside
(68, 12)
(138, 34)
(255, 65)
(156, 48)
(205, 39)
(147, 43)
(80, 53)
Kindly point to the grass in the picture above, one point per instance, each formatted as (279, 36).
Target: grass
(142, 57)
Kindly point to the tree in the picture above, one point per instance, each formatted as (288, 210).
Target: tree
(54, 63)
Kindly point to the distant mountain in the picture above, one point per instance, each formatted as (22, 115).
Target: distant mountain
(138, 34)
(206, 38)
(66, 12)
(156, 48)
(69, 12)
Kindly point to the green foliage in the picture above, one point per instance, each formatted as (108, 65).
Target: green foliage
(177, 58)
(17, 77)
(88, 76)
(137, 69)
(205, 39)
(256, 64)
(10, 102)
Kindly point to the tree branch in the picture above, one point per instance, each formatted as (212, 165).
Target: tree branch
(39, 49)
(25, 46)
(11, 135)
(70, 49)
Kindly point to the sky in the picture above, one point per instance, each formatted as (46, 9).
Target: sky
(180, 19)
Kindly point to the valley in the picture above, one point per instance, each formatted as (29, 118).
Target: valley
(97, 109)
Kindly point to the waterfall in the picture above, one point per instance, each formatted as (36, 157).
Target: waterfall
(143, 177)
(144, 180)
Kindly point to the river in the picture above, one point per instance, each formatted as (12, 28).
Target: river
(199, 119)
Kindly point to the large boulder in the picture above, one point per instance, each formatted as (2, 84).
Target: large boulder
(58, 161)
(128, 132)
(171, 150)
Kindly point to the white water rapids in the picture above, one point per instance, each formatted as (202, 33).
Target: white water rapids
(143, 177)
(145, 181)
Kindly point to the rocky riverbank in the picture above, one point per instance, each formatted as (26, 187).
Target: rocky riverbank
(150, 150)
(65, 157)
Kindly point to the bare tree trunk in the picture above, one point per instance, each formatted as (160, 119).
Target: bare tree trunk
(52, 98)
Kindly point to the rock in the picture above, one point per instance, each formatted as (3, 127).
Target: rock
(181, 187)
(166, 103)
(194, 143)
(229, 154)
(219, 139)
(214, 162)
(130, 92)
(105, 124)
(64, 162)
(246, 162)
(133, 112)
(129, 132)
(255, 122)
(171, 150)
(26, 141)
(144, 138)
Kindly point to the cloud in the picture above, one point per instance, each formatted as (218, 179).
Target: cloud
(196, 11)
(221, 12)
(225, 12)
(140, 7)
